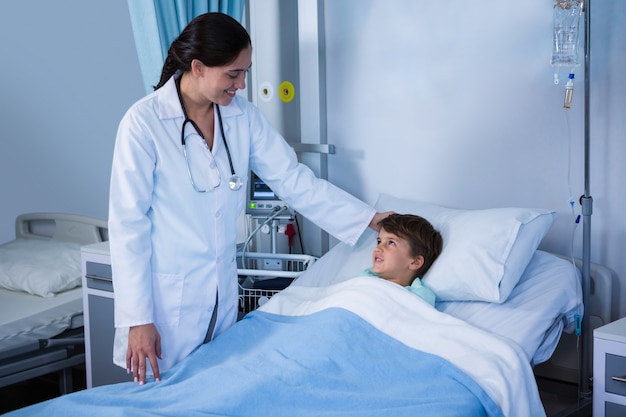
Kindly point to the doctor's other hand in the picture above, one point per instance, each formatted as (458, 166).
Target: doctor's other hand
(374, 224)
(144, 342)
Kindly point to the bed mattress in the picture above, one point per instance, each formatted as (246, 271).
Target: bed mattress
(25, 318)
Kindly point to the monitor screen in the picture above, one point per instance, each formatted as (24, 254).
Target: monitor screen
(261, 199)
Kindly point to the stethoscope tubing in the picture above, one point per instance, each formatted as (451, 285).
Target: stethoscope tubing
(234, 182)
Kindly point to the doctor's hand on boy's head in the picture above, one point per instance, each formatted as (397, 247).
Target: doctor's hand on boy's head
(375, 223)
(144, 343)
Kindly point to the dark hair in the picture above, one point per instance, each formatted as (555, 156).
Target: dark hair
(424, 240)
(215, 39)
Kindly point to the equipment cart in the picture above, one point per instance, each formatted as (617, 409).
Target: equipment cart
(261, 275)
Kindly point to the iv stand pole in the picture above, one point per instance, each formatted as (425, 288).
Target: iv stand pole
(587, 208)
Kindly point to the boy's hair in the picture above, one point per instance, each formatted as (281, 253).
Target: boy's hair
(424, 240)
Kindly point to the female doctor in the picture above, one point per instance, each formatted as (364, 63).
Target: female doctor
(178, 182)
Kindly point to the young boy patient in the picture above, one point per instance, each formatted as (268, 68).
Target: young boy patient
(407, 246)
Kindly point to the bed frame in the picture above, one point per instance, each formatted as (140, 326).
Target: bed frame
(61, 226)
(62, 352)
(565, 364)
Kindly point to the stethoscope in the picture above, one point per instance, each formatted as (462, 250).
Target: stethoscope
(234, 182)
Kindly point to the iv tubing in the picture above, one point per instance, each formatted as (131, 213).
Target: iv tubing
(277, 211)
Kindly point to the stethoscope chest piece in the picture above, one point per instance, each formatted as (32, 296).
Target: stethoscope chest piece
(235, 182)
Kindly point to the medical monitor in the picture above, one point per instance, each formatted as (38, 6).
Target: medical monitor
(262, 201)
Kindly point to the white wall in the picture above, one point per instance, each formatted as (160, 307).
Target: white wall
(454, 103)
(68, 72)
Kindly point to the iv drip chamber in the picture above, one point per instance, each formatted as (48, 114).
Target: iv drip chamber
(569, 92)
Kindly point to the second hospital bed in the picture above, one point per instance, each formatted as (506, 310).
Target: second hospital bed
(335, 343)
(41, 304)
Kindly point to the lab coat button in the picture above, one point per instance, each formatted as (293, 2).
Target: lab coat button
(217, 214)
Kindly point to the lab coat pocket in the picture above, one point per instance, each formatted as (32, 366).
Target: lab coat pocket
(168, 294)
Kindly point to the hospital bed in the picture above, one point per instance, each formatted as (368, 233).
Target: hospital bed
(336, 343)
(40, 296)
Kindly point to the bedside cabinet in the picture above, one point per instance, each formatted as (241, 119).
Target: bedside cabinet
(609, 369)
(98, 316)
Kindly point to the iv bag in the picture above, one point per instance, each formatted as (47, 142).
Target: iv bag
(566, 28)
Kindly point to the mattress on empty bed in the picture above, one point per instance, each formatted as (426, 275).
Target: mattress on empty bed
(26, 318)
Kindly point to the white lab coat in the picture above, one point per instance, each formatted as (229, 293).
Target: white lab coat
(172, 247)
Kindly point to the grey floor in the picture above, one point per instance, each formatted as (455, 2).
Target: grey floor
(37, 390)
(562, 399)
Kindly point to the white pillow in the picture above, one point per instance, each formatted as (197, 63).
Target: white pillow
(484, 252)
(39, 267)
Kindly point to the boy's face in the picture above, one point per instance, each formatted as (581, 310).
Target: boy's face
(392, 259)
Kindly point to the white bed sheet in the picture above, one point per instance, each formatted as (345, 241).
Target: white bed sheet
(25, 318)
(548, 293)
(532, 316)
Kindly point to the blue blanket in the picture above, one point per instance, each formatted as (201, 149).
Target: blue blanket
(331, 363)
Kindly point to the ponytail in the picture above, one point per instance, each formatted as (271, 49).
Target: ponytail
(170, 66)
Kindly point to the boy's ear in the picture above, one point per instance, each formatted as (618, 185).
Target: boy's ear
(416, 263)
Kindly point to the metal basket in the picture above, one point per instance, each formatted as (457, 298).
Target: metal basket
(262, 275)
